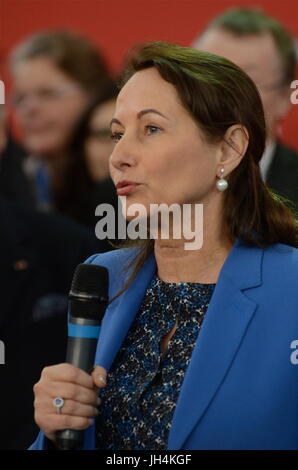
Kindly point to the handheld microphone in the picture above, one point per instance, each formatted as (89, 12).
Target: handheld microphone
(88, 299)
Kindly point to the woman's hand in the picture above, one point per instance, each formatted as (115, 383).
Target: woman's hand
(79, 392)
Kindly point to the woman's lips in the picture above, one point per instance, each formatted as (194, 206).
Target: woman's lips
(126, 189)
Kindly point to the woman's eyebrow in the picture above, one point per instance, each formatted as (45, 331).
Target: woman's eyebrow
(116, 121)
(139, 115)
(150, 110)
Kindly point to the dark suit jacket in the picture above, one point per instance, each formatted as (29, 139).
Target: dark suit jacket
(38, 253)
(283, 173)
(14, 183)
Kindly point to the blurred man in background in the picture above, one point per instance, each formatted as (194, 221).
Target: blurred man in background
(263, 48)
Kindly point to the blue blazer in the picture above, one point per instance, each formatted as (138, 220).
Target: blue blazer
(240, 390)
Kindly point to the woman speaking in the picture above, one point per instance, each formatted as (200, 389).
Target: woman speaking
(197, 346)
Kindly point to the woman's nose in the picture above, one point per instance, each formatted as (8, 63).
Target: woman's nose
(122, 155)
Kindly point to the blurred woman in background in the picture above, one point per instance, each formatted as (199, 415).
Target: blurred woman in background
(55, 76)
(86, 178)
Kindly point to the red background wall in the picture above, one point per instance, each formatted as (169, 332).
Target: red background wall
(115, 25)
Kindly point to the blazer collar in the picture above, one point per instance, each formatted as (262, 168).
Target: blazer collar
(226, 321)
(243, 266)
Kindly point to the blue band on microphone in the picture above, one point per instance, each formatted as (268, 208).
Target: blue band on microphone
(81, 331)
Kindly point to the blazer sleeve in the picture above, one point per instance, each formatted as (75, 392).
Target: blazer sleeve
(42, 443)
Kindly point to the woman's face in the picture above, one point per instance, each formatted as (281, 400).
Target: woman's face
(47, 104)
(159, 146)
(99, 146)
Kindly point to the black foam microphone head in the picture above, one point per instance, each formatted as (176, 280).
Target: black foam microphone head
(88, 296)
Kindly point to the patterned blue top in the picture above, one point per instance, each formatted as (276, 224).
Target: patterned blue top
(143, 384)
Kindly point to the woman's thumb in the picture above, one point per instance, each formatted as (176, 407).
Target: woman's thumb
(99, 375)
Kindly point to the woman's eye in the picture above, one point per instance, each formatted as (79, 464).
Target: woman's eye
(116, 136)
(151, 129)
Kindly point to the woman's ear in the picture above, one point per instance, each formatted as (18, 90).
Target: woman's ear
(233, 147)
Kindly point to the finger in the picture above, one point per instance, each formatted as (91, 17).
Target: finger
(99, 375)
(72, 392)
(74, 408)
(67, 373)
(70, 407)
(58, 422)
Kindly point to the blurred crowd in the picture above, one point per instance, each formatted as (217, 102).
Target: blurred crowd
(54, 172)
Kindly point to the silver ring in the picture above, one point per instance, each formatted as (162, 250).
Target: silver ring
(58, 402)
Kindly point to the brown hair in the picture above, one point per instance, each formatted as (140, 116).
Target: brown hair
(218, 94)
(73, 54)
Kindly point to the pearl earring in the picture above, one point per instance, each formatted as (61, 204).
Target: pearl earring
(222, 184)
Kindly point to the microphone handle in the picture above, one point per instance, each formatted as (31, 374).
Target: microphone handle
(80, 353)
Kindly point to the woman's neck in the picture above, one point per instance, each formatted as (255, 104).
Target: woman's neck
(176, 264)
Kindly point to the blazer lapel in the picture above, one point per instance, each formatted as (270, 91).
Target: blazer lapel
(222, 331)
(120, 315)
